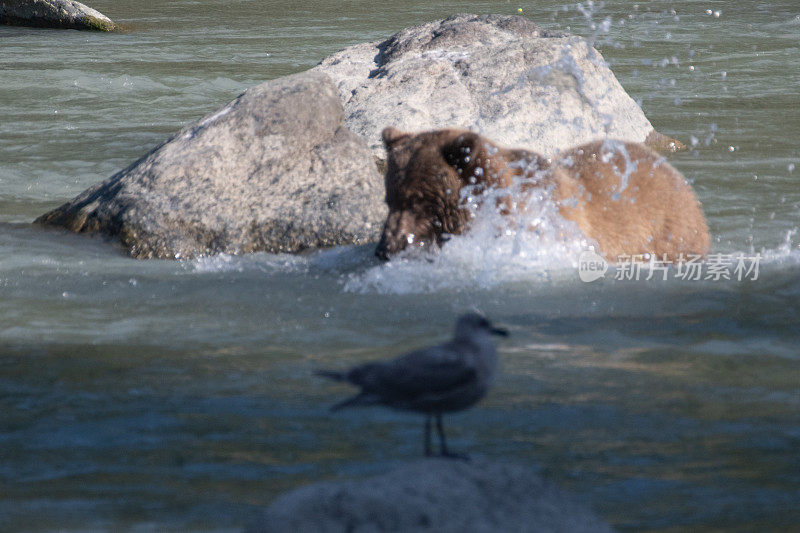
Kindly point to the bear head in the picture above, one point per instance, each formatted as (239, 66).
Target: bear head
(425, 175)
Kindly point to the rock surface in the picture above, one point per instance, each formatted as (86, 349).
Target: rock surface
(275, 170)
(433, 495)
(500, 76)
(66, 14)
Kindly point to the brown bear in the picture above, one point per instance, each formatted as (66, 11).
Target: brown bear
(623, 196)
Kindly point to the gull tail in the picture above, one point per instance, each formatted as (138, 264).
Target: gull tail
(355, 401)
(360, 399)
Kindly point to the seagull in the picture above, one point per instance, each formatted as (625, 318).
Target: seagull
(439, 379)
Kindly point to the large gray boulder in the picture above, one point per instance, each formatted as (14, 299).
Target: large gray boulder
(290, 164)
(433, 495)
(66, 14)
(501, 76)
(275, 170)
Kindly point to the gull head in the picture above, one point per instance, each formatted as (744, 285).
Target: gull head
(473, 324)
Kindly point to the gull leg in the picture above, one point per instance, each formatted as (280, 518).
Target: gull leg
(427, 435)
(443, 442)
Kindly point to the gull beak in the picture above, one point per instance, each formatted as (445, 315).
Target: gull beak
(499, 332)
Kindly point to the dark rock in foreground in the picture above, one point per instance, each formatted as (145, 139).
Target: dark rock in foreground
(275, 170)
(66, 14)
(433, 495)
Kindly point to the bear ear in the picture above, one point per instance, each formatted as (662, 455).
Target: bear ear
(461, 150)
(391, 135)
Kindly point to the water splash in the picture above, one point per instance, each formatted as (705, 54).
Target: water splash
(333, 260)
(589, 9)
(532, 244)
(554, 74)
(609, 149)
(264, 262)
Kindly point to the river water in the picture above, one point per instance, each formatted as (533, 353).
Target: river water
(161, 395)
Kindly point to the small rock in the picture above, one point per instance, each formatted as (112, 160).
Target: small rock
(433, 495)
(66, 14)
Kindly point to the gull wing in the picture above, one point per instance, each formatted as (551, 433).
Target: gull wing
(422, 372)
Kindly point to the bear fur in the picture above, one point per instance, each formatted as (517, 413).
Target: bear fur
(623, 196)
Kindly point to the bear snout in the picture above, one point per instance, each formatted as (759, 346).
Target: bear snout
(391, 239)
(385, 250)
(402, 229)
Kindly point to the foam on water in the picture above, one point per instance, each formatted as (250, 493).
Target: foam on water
(487, 257)
(269, 263)
(787, 253)
(533, 243)
(335, 260)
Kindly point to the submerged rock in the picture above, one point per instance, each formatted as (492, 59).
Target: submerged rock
(500, 76)
(275, 170)
(66, 14)
(433, 495)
